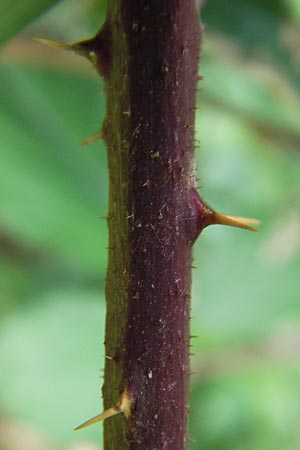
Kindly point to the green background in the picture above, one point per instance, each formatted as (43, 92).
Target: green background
(246, 291)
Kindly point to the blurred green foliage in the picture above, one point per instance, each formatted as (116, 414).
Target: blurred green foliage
(246, 309)
(16, 14)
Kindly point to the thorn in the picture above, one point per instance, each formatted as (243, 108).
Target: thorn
(110, 358)
(97, 49)
(93, 138)
(105, 415)
(76, 47)
(204, 216)
(123, 406)
(232, 221)
(54, 44)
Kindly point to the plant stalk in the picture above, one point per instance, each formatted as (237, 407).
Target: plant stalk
(153, 219)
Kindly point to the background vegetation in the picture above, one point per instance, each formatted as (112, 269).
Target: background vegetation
(246, 309)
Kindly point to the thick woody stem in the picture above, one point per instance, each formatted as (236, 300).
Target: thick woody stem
(164, 43)
(153, 218)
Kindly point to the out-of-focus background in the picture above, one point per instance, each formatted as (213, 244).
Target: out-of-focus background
(246, 292)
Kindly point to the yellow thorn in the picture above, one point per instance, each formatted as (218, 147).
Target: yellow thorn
(93, 138)
(123, 406)
(76, 47)
(232, 221)
(54, 44)
(105, 415)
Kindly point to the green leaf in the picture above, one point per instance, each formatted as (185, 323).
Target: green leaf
(16, 14)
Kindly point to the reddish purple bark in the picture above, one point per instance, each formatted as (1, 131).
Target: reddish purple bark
(164, 43)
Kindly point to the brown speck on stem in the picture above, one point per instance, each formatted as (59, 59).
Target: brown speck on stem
(164, 69)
